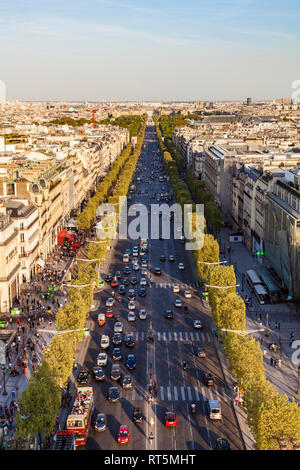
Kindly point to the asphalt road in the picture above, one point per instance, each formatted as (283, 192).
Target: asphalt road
(175, 340)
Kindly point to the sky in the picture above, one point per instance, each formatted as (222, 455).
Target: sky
(114, 50)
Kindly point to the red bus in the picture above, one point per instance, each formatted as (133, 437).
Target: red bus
(79, 420)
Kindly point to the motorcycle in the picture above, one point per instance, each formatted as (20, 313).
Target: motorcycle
(184, 365)
(193, 408)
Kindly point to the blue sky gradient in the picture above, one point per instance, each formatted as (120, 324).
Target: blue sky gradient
(142, 50)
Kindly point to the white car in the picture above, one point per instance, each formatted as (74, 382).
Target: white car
(102, 359)
(178, 303)
(144, 272)
(104, 344)
(110, 302)
(143, 282)
(176, 289)
(187, 294)
(131, 305)
(142, 314)
(144, 264)
(131, 316)
(197, 324)
(180, 266)
(118, 327)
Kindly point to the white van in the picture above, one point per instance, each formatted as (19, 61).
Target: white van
(214, 409)
(104, 342)
(125, 258)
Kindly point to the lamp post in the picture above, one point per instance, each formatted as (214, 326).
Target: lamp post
(4, 380)
(267, 325)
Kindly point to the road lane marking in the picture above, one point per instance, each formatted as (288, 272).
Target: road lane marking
(162, 393)
(192, 336)
(175, 336)
(158, 336)
(180, 335)
(175, 394)
(170, 336)
(196, 394)
(189, 393)
(169, 393)
(182, 393)
(186, 336)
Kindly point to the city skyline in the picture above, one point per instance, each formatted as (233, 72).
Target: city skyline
(142, 51)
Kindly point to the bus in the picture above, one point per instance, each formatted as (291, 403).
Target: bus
(79, 420)
(261, 294)
(253, 278)
(272, 288)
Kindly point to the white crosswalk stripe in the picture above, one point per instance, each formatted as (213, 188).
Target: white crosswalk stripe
(189, 393)
(192, 336)
(182, 393)
(196, 394)
(162, 393)
(169, 394)
(175, 394)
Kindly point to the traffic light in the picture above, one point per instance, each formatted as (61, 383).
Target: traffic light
(260, 253)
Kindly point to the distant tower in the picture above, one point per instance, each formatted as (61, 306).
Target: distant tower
(249, 101)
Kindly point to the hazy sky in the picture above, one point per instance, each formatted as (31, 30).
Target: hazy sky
(149, 50)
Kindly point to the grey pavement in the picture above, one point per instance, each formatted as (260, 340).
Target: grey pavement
(285, 378)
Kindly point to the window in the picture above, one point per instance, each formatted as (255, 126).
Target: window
(22, 239)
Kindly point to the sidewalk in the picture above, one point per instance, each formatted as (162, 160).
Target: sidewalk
(284, 378)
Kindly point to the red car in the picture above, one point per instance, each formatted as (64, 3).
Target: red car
(109, 313)
(170, 419)
(114, 283)
(123, 436)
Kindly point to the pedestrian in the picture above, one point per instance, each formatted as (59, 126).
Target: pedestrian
(264, 351)
(13, 394)
(271, 360)
(278, 326)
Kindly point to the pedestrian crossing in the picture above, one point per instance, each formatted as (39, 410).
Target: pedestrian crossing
(179, 393)
(168, 285)
(169, 336)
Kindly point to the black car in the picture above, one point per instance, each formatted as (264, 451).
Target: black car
(113, 394)
(162, 258)
(127, 270)
(125, 282)
(157, 271)
(100, 423)
(169, 315)
(98, 373)
(115, 372)
(133, 280)
(129, 341)
(118, 275)
(131, 294)
(117, 339)
(208, 380)
(83, 376)
(108, 277)
(142, 292)
(127, 382)
(131, 362)
(122, 289)
(116, 354)
(222, 444)
(138, 416)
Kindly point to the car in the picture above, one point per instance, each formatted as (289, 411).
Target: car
(102, 359)
(117, 339)
(144, 264)
(125, 281)
(127, 382)
(208, 379)
(131, 316)
(123, 435)
(98, 373)
(110, 302)
(171, 258)
(113, 394)
(104, 343)
(170, 419)
(135, 260)
(142, 314)
(144, 272)
(143, 282)
(222, 444)
(142, 292)
(109, 312)
(129, 341)
(118, 327)
(122, 289)
(162, 258)
(187, 294)
(135, 250)
(197, 324)
(180, 266)
(108, 277)
(114, 283)
(131, 305)
(131, 362)
(83, 376)
(138, 416)
(118, 275)
(128, 251)
(176, 289)
(131, 294)
(116, 354)
(135, 267)
(178, 303)
(127, 270)
(115, 373)
(100, 423)
(157, 271)
(133, 280)
(169, 315)
(200, 352)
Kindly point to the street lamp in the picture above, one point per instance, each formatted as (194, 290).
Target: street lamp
(4, 380)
